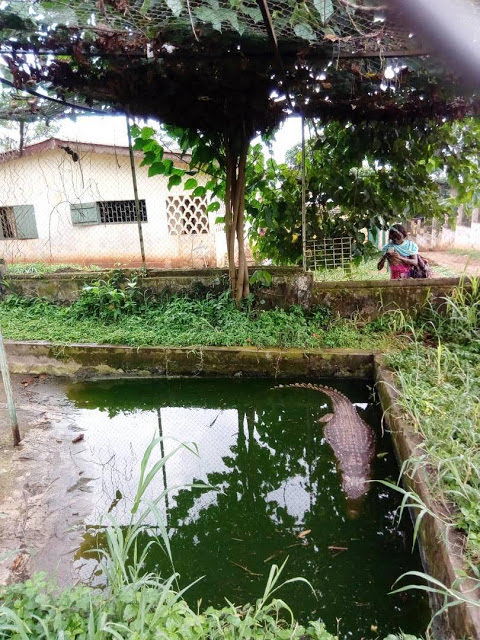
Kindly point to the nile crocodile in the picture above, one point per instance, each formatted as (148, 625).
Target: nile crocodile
(352, 440)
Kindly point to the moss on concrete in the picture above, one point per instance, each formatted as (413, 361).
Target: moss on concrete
(89, 360)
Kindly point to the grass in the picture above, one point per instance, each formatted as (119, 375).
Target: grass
(440, 392)
(438, 374)
(472, 253)
(438, 377)
(41, 268)
(185, 322)
(367, 270)
(134, 605)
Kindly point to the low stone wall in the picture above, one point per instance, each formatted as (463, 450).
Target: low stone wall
(440, 546)
(83, 361)
(369, 299)
(290, 286)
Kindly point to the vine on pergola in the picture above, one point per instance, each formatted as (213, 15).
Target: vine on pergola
(226, 69)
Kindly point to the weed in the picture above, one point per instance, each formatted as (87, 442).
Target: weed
(367, 270)
(135, 604)
(440, 392)
(110, 314)
(41, 268)
(112, 298)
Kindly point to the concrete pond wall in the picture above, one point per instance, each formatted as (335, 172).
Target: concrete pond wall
(290, 286)
(440, 547)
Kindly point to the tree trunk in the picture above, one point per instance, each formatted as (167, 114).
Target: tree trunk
(236, 150)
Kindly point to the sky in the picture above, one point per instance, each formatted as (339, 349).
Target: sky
(112, 130)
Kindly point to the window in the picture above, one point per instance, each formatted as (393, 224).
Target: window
(107, 212)
(18, 222)
(121, 211)
(187, 216)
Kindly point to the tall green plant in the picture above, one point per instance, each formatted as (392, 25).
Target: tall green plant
(223, 158)
(135, 605)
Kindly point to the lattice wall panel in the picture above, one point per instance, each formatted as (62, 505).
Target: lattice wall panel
(187, 216)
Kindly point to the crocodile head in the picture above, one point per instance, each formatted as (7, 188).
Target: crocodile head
(354, 486)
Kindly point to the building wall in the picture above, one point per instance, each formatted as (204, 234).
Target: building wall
(435, 236)
(52, 181)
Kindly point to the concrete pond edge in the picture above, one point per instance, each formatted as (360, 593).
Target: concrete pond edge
(440, 546)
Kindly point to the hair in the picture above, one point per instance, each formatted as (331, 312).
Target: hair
(399, 228)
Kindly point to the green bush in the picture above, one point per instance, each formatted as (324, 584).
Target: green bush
(35, 610)
(112, 298)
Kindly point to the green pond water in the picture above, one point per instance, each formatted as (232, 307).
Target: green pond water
(277, 495)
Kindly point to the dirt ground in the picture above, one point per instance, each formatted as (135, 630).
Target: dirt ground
(461, 264)
(43, 483)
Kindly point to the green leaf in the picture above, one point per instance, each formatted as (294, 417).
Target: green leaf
(199, 192)
(168, 164)
(262, 277)
(325, 9)
(139, 144)
(156, 169)
(175, 6)
(305, 31)
(135, 130)
(191, 183)
(174, 181)
(152, 145)
(253, 12)
(214, 206)
(147, 133)
(149, 159)
(210, 16)
(219, 219)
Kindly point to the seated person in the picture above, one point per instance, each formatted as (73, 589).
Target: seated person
(400, 253)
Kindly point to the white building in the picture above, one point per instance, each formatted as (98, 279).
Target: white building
(432, 235)
(69, 202)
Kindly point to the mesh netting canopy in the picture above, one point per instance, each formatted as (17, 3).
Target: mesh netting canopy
(212, 64)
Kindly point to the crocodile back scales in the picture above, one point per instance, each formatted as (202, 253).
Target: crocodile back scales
(351, 438)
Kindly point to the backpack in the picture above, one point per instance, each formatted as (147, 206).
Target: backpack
(422, 270)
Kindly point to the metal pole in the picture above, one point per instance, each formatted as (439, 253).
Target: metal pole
(135, 192)
(304, 213)
(8, 392)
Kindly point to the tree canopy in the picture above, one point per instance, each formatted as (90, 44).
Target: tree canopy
(363, 177)
(221, 63)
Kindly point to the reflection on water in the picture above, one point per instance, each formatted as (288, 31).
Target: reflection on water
(275, 493)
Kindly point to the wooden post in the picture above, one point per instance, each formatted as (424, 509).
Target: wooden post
(135, 192)
(8, 392)
(304, 212)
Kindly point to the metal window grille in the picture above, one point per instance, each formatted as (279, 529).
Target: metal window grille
(187, 216)
(7, 220)
(328, 253)
(114, 211)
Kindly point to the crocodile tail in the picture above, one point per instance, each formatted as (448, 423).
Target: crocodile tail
(330, 391)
